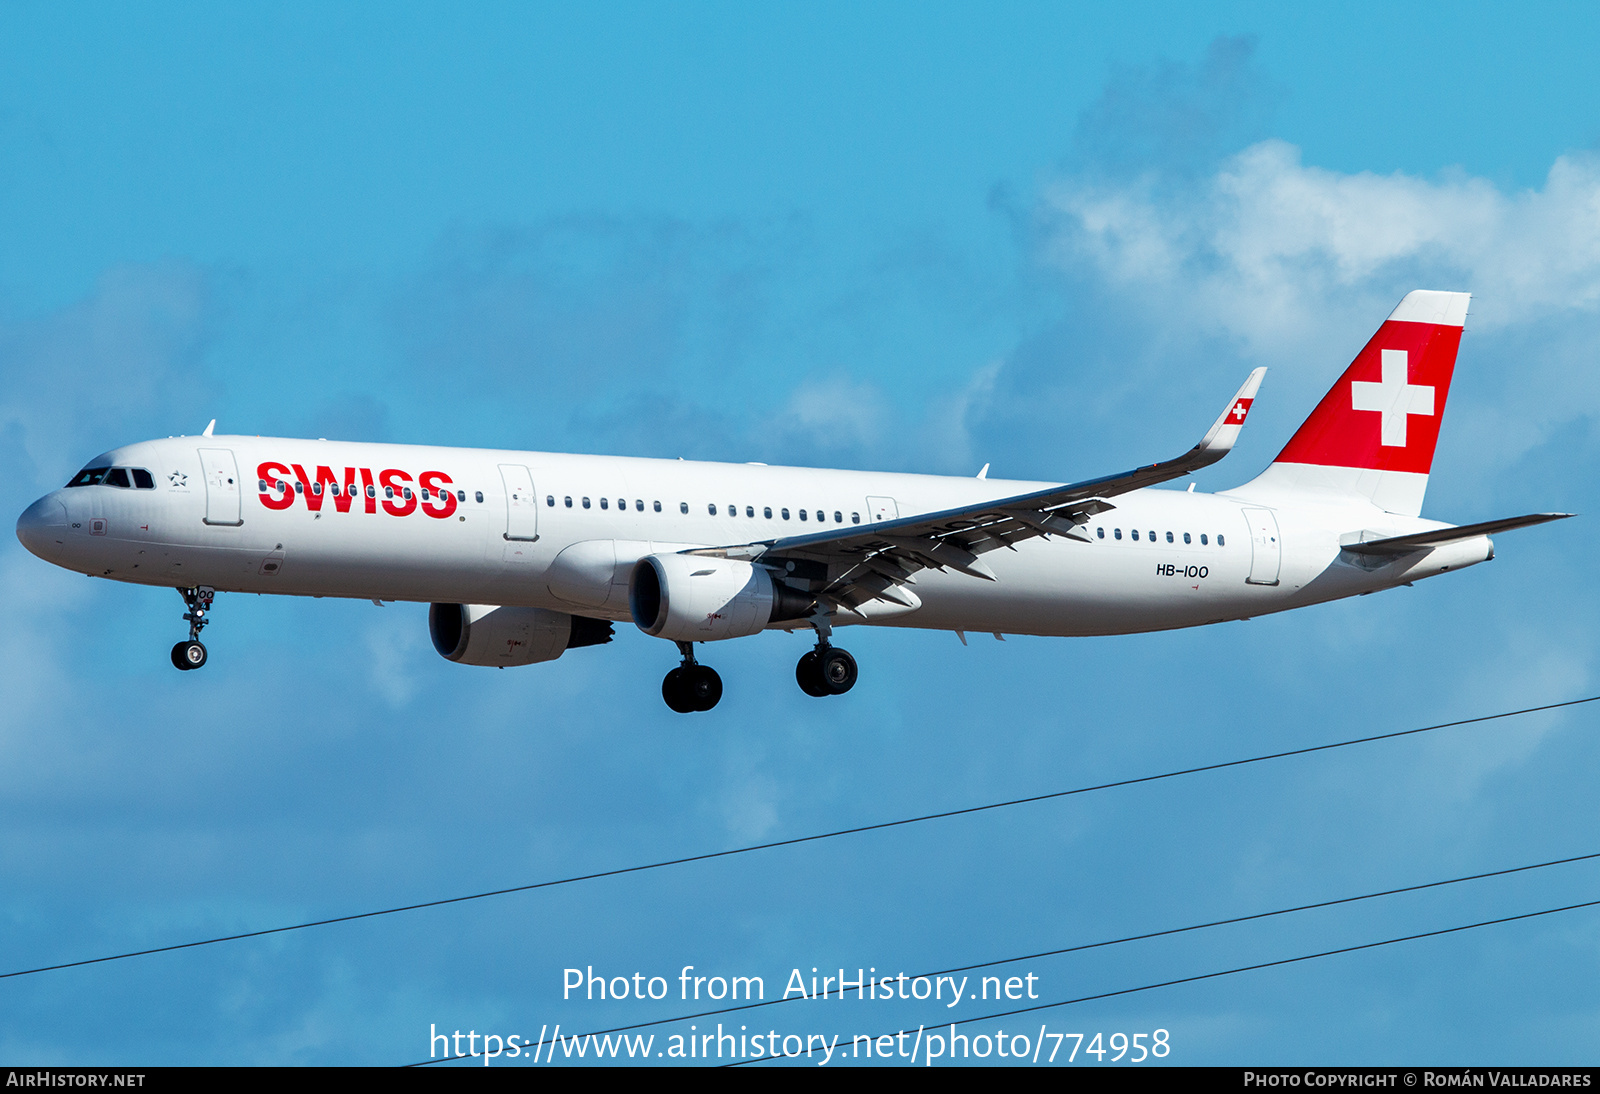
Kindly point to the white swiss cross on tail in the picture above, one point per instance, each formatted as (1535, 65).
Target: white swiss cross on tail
(1374, 433)
(1394, 398)
(1236, 414)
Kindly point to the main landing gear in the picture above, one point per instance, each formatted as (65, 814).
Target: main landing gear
(192, 654)
(691, 686)
(826, 670)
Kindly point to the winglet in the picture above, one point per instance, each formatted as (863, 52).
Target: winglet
(209, 428)
(1219, 441)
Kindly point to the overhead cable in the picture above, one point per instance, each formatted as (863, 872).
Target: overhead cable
(1096, 945)
(1253, 968)
(794, 841)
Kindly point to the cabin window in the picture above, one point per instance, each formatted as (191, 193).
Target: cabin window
(372, 491)
(767, 512)
(622, 504)
(712, 508)
(638, 505)
(1134, 533)
(461, 495)
(1186, 537)
(550, 501)
(299, 487)
(388, 491)
(1116, 533)
(261, 485)
(821, 515)
(785, 513)
(1220, 541)
(405, 491)
(316, 488)
(1203, 540)
(657, 505)
(838, 517)
(802, 514)
(605, 503)
(750, 510)
(683, 507)
(733, 510)
(1169, 537)
(586, 503)
(855, 518)
(567, 500)
(1101, 532)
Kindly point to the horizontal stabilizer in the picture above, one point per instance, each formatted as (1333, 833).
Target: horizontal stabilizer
(1399, 545)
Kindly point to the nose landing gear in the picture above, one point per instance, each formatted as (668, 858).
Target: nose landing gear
(192, 654)
(691, 686)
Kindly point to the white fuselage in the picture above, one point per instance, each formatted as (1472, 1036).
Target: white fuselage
(562, 532)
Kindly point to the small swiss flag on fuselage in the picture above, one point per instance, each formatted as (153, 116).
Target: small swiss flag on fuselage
(1384, 412)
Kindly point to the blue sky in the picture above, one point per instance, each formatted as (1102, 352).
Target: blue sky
(916, 237)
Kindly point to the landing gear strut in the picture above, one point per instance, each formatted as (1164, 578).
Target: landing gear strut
(826, 670)
(691, 686)
(192, 654)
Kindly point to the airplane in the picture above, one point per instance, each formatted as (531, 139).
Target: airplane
(523, 556)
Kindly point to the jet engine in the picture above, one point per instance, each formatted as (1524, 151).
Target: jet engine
(483, 634)
(694, 598)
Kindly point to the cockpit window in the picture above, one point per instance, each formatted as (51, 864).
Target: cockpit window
(89, 476)
(118, 476)
(143, 479)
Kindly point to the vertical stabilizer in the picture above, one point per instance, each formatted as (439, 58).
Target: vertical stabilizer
(1373, 435)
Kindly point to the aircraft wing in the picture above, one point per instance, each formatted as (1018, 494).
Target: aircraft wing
(847, 567)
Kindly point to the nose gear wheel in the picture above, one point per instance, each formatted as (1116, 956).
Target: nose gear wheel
(192, 654)
(188, 655)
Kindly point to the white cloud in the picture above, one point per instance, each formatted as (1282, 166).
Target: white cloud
(109, 368)
(836, 414)
(36, 656)
(392, 649)
(1268, 250)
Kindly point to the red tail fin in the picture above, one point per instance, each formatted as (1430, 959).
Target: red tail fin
(1374, 433)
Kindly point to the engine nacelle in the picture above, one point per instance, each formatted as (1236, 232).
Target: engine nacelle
(693, 598)
(483, 634)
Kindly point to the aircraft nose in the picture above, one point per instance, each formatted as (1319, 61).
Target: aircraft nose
(42, 527)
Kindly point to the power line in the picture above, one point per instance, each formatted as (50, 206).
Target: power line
(1099, 945)
(1253, 968)
(751, 848)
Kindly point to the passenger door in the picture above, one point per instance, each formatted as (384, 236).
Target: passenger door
(522, 512)
(1266, 552)
(222, 487)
